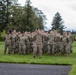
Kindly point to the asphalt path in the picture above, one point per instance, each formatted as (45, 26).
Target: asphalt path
(29, 69)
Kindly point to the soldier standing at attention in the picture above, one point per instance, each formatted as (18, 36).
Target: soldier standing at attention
(22, 43)
(7, 39)
(65, 44)
(14, 38)
(51, 43)
(57, 42)
(27, 34)
(45, 40)
(37, 46)
(71, 40)
(17, 43)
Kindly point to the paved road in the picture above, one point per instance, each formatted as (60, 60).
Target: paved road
(28, 69)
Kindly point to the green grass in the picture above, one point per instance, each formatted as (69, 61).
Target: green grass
(28, 59)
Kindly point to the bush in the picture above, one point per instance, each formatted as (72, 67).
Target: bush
(1, 39)
(2, 34)
(74, 35)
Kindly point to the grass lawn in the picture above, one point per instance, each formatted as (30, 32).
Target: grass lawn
(28, 59)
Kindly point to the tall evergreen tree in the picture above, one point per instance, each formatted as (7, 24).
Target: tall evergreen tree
(33, 20)
(57, 23)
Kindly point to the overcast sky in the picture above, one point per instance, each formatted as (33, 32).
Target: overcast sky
(66, 8)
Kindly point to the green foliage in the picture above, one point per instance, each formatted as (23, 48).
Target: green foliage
(1, 39)
(2, 35)
(22, 18)
(25, 18)
(57, 23)
(4, 13)
(74, 35)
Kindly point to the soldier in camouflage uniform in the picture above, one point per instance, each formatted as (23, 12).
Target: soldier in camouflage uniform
(37, 44)
(14, 38)
(17, 43)
(22, 43)
(58, 44)
(45, 42)
(33, 44)
(51, 43)
(71, 40)
(28, 35)
(65, 44)
(7, 39)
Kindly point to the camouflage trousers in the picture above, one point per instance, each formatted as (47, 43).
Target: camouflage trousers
(22, 49)
(66, 49)
(16, 49)
(28, 48)
(13, 47)
(58, 47)
(51, 49)
(7, 46)
(45, 47)
(37, 49)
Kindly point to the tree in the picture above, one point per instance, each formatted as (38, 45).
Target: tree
(25, 18)
(15, 17)
(57, 23)
(30, 16)
(34, 17)
(4, 13)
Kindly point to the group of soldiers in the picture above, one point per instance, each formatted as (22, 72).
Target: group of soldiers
(38, 42)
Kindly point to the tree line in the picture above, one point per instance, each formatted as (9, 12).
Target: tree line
(26, 18)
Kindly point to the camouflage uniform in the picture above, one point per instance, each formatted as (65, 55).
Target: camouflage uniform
(65, 45)
(37, 44)
(17, 43)
(7, 39)
(14, 38)
(33, 44)
(45, 43)
(28, 43)
(22, 44)
(71, 40)
(58, 44)
(51, 44)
